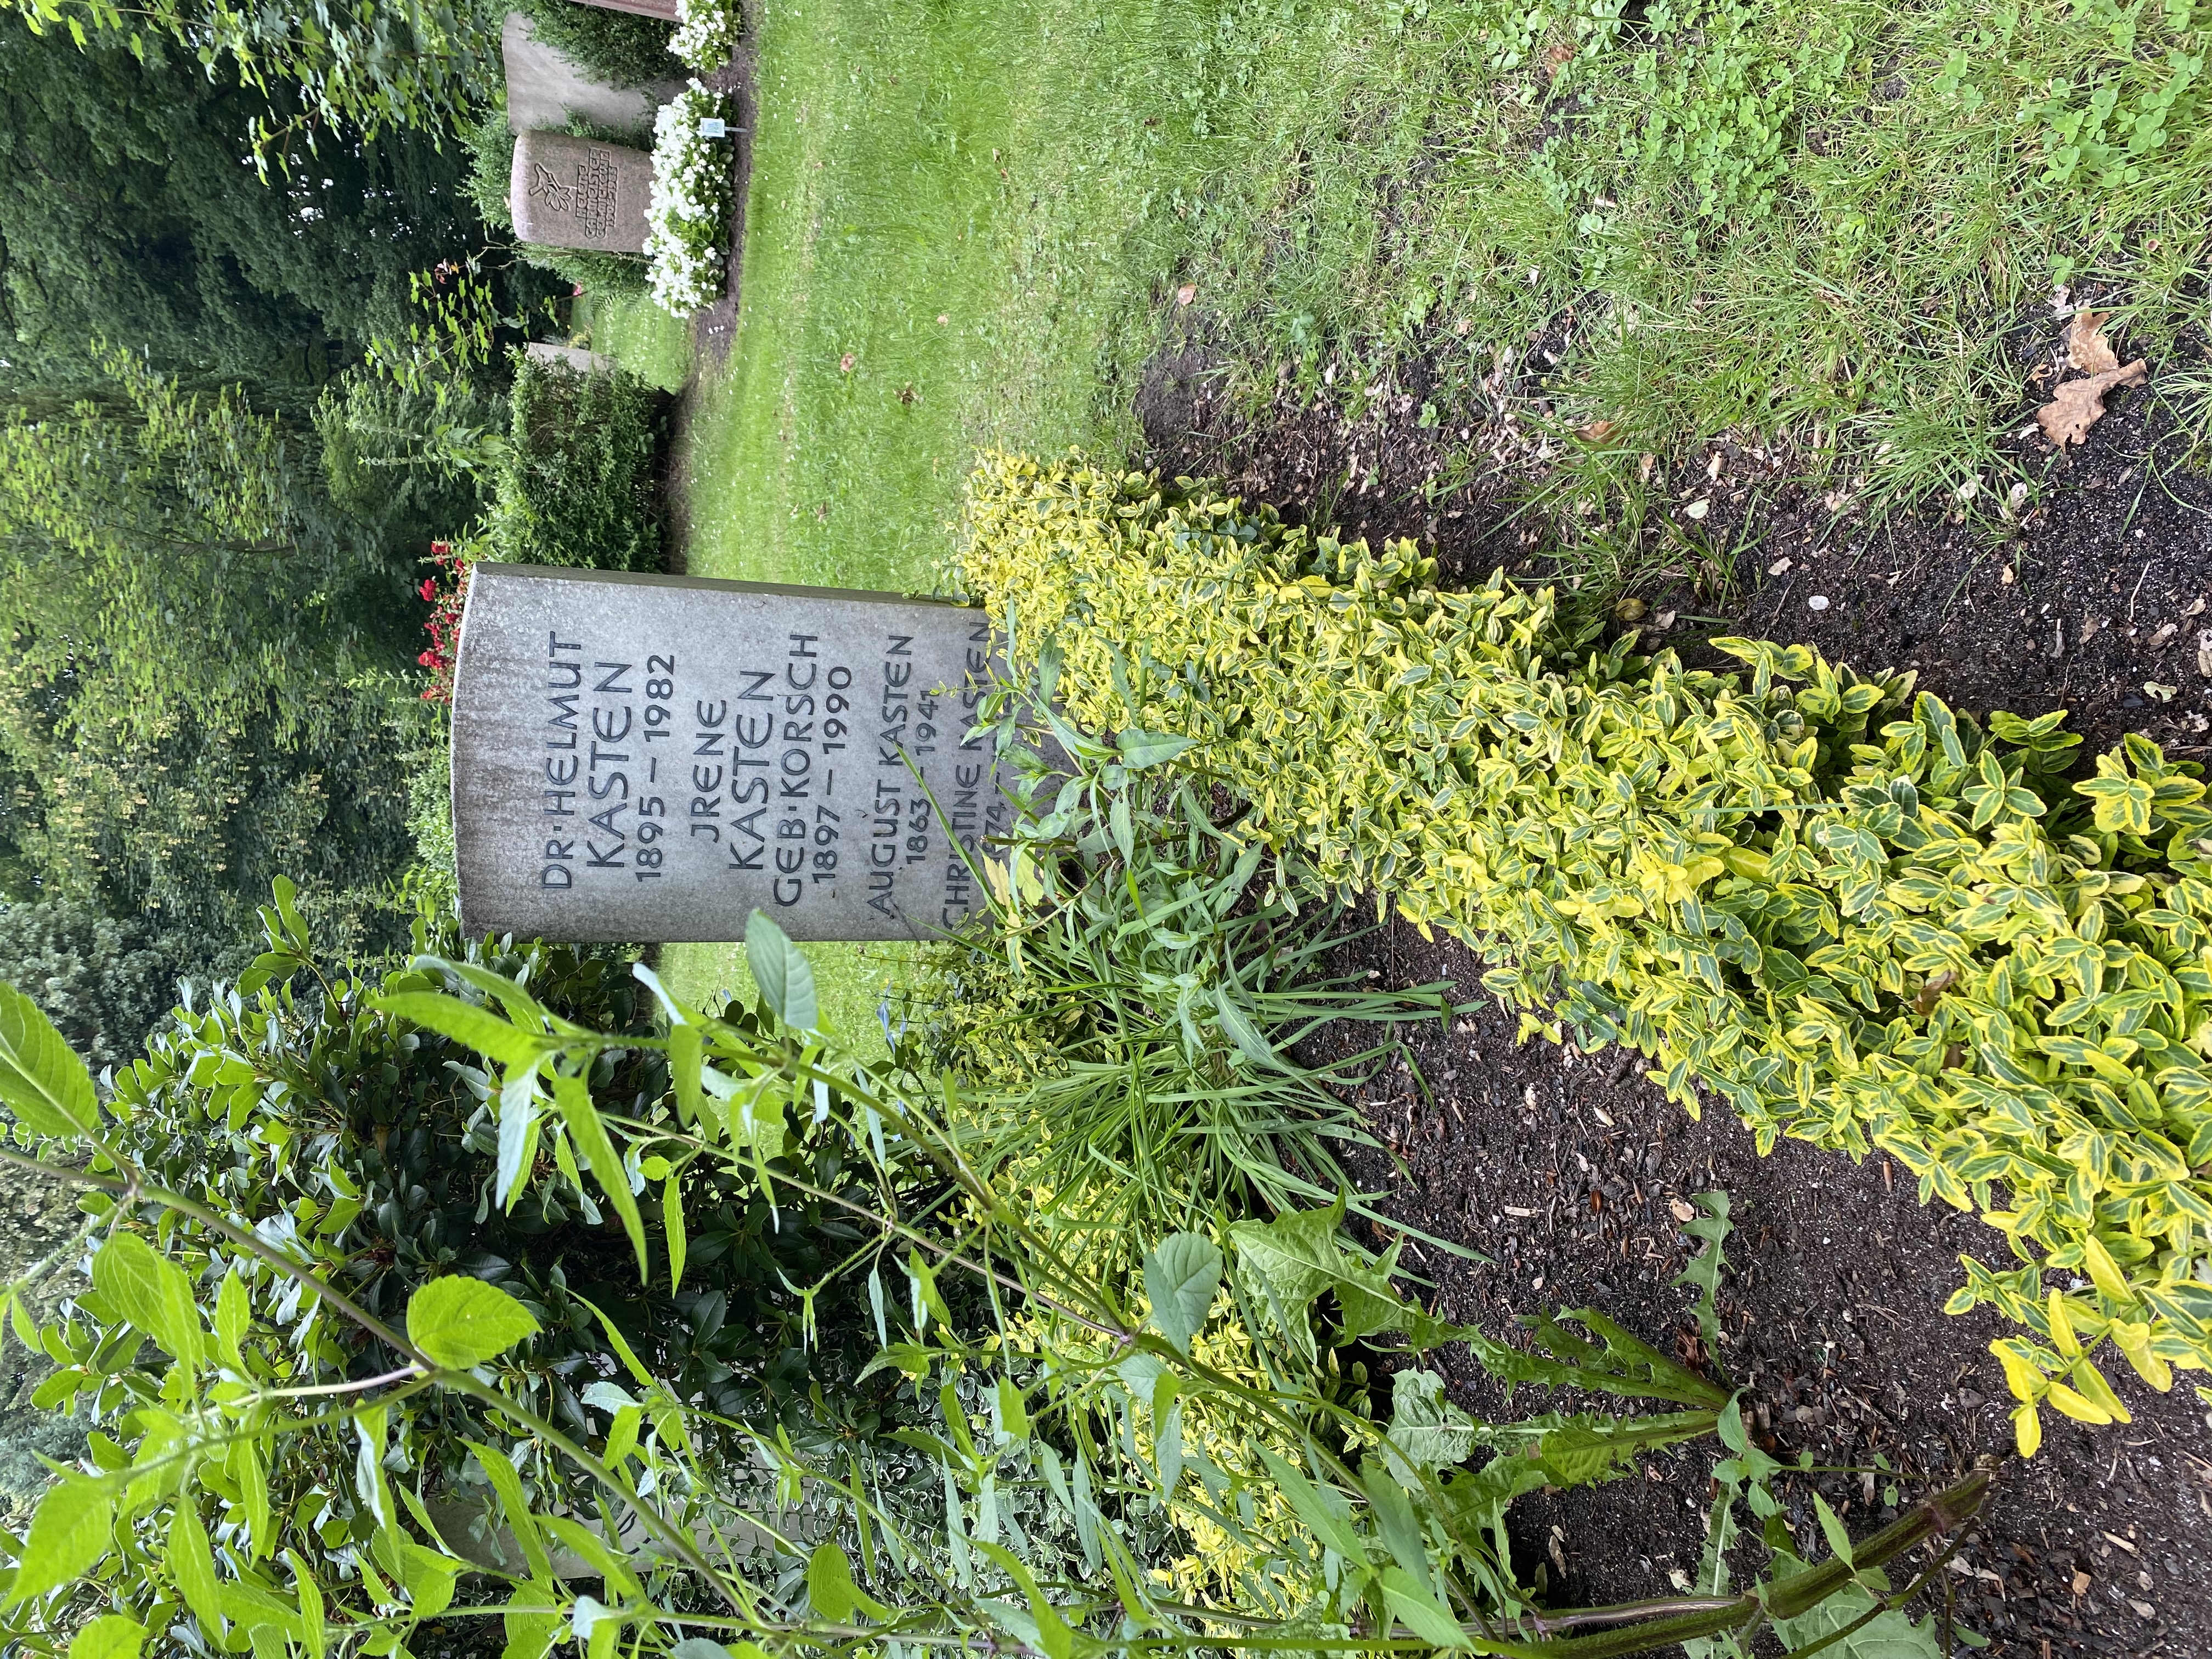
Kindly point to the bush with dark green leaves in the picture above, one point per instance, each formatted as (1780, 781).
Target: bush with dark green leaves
(297, 1107)
(581, 482)
(104, 981)
(128, 214)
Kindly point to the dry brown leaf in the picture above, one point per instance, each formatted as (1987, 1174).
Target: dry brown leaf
(2080, 404)
(1597, 431)
(2086, 348)
(1186, 294)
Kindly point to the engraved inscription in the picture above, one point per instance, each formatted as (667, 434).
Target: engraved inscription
(634, 762)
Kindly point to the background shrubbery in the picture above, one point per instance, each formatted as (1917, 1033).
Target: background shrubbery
(579, 482)
(617, 48)
(104, 981)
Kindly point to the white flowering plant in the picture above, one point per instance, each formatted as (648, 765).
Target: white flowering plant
(687, 222)
(705, 33)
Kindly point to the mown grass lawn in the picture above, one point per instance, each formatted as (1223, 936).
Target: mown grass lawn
(949, 246)
(1631, 231)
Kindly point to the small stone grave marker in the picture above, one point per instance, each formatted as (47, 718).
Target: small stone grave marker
(650, 758)
(575, 192)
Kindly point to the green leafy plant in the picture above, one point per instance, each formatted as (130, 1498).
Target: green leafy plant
(578, 481)
(620, 48)
(1371, 1529)
(694, 192)
(105, 982)
(1847, 914)
(175, 576)
(1127, 1012)
(303, 1102)
(706, 32)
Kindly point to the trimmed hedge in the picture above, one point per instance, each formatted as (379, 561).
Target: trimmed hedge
(1851, 915)
(580, 484)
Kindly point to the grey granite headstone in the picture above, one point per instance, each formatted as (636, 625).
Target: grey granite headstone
(576, 192)
(650, 758)
(579, 358)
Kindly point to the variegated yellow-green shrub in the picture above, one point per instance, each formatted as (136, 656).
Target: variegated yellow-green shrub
(1847, 914)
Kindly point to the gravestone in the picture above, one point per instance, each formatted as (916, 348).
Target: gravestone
(581, 359)
(664, 10)
(576, 192)
(546, 87)
(651, 758)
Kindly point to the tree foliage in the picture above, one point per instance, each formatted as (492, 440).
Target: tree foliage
(128, 213)
(359, 68)
(192, 682)
(104, 981)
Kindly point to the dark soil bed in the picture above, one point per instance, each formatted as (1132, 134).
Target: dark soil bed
(2110, 589)
(1562, 1169)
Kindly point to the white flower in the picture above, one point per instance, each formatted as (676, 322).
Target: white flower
(705, 33)
(688, 219)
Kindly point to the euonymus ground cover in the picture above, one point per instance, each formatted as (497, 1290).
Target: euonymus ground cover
(1842, 910)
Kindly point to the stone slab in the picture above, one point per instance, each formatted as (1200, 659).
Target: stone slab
(579, 358)
(665, 10)
(546, 87)
(650, 758)
(575, 192)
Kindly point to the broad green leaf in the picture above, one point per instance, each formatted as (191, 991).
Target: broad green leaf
(68, 1533)
(1297, 1255)
(110, 1635)
(516, 1509)
(151, 1292)
(1427, 1432)
(518, 1135)
(1415, 1606)
(251, 1476)
(429, 1578)
(781, 970)
(574, 1101)
(41, 1078)
(1140, 750)
(368, 1483)
(1014, 1410)
(469, 1025)
(830, 1588)
(1891, 1635)
(1322, 1510)
(671, 1222)
(1237, 1026)
(313, 1632)
(1182, 1274)
(461, 1323)
(1395, 1518)
(234, 1318)
(1838, 1536)
(685, 1062)
(191, 1561)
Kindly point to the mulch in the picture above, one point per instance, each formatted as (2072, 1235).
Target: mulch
(1561, 1170)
